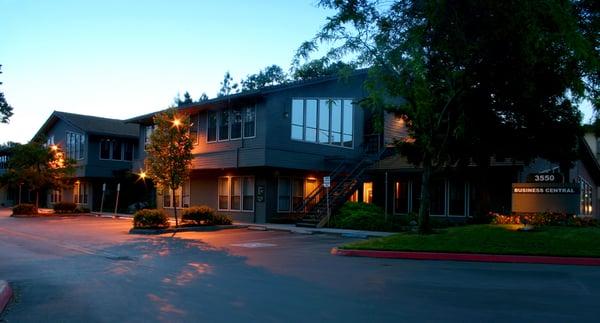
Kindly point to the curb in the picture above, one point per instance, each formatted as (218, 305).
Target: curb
(186, 229)
(474, 257)
(5, 294)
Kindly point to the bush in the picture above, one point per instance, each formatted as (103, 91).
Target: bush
(150, 219)
(64, 207)
(362, 216)
(199, 215)
(545, 219)
(80, 209)
(220, 219)
(24, 209)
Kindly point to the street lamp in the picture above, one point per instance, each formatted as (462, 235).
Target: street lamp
(176, 122)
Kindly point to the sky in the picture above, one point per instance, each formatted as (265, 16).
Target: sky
(120, 59)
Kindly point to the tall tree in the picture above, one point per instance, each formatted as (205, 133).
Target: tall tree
(271, 75)
(319, 68)
(5, 108)
(227, 85)
(203, 97)
(170, 153)
(477, 78)
(187, 99)
(37, 167)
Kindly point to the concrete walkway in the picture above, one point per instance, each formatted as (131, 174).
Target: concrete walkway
(282, 227)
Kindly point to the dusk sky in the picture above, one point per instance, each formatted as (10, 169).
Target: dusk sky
(119, 59)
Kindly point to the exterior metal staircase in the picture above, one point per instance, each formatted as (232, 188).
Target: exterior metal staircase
(345, 179)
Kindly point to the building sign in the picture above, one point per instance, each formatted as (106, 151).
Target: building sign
(545, 178)
(327, 181)
(545, 197)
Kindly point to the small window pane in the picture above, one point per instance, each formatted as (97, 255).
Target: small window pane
(336, 138)
(311, 113)
(311, 134)
(223, 193)
(283, 192)
(297, 132)
(116, 150)
(128, 152)
(212, 126)
(250, 122)
(236, 123)
(297, 192)
(105, 149)
(323, 121)
(298, 112)
(336, 115)
(348, 117)
(224, 125)
(456, 196)
(248, 191)
(401, 197)
(348, 141)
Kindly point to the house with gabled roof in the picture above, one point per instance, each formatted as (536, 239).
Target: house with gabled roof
(103, 149)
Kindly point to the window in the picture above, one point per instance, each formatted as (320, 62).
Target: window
(80, 193)
(112, 149)
(224, 125)
(50, 141)
(283, 194)
(231, 124)
(75, 143)
(456, 198)
(401, 197)
(182, 196)
(236, 123)
(291, 191)
(194, 127)
(250, 122)
(212, 126)
(368, 192)
(55, 196)
(437, 197)
(586, 197)
(147, 135)
(236, 193)
(297, 191)
(324, 121)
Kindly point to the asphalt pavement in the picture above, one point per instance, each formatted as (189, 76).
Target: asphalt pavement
(89, 269)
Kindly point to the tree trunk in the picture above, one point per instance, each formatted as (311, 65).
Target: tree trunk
(174, 207)
(425, 198)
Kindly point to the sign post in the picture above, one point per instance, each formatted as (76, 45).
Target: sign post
(102, 200)
(327, 184)
(117, 201)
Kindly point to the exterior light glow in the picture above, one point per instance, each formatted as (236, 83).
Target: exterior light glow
(176, 122)
(54, 147)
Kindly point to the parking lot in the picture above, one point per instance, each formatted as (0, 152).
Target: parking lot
(75, 269)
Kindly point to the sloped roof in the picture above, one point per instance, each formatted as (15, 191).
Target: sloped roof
(191, 108)
(92, 125)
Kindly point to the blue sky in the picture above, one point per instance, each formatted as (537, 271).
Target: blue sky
(120, 59)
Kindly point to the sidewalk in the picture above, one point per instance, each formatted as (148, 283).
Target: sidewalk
(279, 227)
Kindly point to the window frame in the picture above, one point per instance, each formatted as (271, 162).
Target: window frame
(219, 113)
(75, 140)
(241, 179)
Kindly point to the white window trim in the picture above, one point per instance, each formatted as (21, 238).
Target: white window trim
(81, 151)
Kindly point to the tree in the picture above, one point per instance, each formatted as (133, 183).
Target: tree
(5, 108)
(319, 68)
(271, 75)
(170, 153)
(477, 78)
(187, 99)
(227, 85)
(37, 167)
(203, 97)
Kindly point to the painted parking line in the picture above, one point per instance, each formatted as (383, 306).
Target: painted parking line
(253, 245)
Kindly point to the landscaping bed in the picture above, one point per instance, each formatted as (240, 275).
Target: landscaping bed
(494, 239)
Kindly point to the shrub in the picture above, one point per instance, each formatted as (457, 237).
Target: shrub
(64, 207)
(545, 218)
(80, 209)
(150, 219)
(198, 214)
(220, 219)
(362, 216)
(24, 209)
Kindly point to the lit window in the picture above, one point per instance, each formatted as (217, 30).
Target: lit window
(368, 192)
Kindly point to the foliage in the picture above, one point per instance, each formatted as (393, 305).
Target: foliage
(169, 153)
(362, 216)
(271, 75)
(24, 209)
(203, 97)
(64, 207)
(5, 108)
(477, 78)
(198, 214)
(80, 209)
(220, 219)
(150, 219)
(227, 85)
(319, 68)
(37, 167)
(494, 239)
(545, 219)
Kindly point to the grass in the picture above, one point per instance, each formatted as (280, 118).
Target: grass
(494, 239)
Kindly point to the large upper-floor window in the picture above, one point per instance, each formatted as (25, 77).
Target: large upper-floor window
(231, 124)
(114, 149)
(325, 121)
(75, 144)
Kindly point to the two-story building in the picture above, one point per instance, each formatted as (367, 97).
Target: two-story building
(103, 149)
